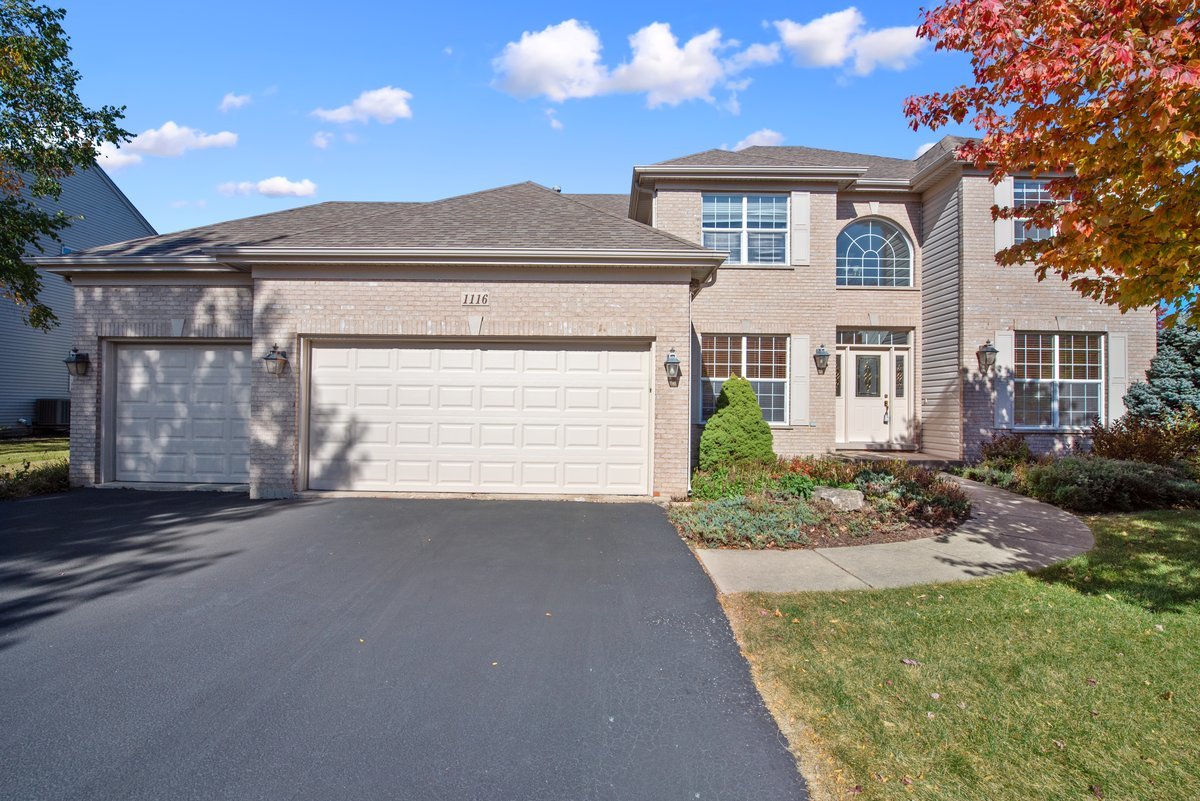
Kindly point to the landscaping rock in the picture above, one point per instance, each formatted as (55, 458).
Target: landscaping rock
(846, 500)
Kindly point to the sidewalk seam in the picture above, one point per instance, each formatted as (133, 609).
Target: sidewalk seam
(868, 584)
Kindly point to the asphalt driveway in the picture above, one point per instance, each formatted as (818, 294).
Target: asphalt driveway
(204, 646)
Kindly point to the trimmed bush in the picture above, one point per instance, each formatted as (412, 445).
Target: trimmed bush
(736, 434)
(1005, 450)
(1097, 484)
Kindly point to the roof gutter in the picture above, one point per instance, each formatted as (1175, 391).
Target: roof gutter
(248, 256)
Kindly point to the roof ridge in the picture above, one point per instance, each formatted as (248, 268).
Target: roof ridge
(658, 231)
(828, 150)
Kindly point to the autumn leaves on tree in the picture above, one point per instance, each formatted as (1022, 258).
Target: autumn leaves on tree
(1103, 98)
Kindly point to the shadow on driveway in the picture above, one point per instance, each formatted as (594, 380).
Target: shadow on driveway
(60, 551)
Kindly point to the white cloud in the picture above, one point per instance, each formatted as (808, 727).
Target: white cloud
(560, 62)
(923, 149)
(385, 105)
(667, 73)
(113, 158)
(563, 61)
(232, 101)
(765, 136)
(322, 139)
(893, 48)
(270, 187)
(189, 204)
(824, 42)
(175, 140)
(752, 56)
(168, 141)
(553, 119)
(841, 37)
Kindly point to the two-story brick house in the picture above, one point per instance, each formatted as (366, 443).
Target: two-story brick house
(520, 340)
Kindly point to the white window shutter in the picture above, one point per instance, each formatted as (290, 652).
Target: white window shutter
(693, 377)
(1118, 374)
(801, 212)
(1003, 378)
(1004, 228)
(801, 361)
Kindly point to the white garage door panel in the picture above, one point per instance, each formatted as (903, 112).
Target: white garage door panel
(465, 419)
(182, 414)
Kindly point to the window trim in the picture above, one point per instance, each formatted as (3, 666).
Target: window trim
(1019, 222)
(744, 230)
(1055, 411)
(786, 381)
(908, 240)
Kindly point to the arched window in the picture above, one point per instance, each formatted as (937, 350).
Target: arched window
(873, 253)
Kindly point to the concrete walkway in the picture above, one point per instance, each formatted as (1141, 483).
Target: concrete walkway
(1005, 533)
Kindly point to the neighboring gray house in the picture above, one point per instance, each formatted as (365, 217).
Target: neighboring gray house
(519, 340)
(31, 361)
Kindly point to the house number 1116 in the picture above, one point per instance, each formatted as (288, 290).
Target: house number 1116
(475, 299)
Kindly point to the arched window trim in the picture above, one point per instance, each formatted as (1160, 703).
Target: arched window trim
(886, 222)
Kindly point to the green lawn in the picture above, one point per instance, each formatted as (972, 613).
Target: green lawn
(1081, 682)
(14, 452)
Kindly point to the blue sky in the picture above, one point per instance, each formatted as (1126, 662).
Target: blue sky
(453, 99)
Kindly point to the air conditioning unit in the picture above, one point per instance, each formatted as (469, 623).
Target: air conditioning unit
(52, 413)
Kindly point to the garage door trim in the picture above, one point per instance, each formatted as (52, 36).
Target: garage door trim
(108, 387)
(304, 369)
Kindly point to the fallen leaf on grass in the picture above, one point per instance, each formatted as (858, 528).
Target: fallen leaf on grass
(935, 696)
(910, 662)
(1168, 696)
(1059, 744)
(778, 613)
(1096, 791)
(1092, 682)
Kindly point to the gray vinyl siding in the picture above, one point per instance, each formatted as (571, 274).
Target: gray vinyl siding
(31, 364)
(941, 293)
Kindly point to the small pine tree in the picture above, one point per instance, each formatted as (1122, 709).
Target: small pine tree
(1172, 384)
(737, 432)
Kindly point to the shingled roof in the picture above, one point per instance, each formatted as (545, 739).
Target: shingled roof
(520, 216)
(877, 167)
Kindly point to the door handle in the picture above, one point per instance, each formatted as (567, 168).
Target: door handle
(886, 417)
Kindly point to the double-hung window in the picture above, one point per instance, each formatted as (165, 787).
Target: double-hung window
(1058, 380)
(761, 359)
(1027, 192)
(752, 229)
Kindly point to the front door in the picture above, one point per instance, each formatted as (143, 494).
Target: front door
(874, 395)
(868, 417)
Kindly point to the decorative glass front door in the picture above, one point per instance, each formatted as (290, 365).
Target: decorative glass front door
(874, 392)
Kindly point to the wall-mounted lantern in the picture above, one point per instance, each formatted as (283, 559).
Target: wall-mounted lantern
(77, 363)
(821, 359)
(987, 356)
(276, 361)
(674, 368)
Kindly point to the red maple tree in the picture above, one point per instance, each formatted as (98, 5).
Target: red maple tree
(1102, 97)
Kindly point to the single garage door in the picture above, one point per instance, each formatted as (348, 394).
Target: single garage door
(182, 414)
(454, 418)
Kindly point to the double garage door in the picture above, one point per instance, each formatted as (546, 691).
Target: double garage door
(450, 418)
(459, 418)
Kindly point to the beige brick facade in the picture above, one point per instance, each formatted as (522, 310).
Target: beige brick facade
(996, 298)
(629, 305)
(968, 301)
(803, 299)
(109, 314)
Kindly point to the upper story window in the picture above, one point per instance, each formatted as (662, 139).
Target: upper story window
(761, 359)
(873, 253)
(752, 229)
(1058, 380)
(1027, 192)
